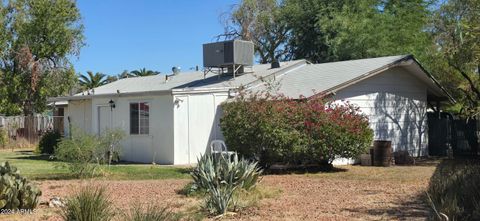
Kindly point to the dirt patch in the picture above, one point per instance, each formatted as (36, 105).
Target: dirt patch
(307, 198)
(389, 194)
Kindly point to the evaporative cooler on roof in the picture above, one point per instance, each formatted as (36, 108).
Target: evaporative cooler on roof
(233, 55)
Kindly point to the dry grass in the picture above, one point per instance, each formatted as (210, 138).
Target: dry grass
(353, 193)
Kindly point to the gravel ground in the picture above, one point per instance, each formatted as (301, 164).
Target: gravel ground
(303, 197)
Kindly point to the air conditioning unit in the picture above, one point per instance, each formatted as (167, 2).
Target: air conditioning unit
(228, 53)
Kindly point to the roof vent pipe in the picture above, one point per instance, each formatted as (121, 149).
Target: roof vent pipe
(275, 64)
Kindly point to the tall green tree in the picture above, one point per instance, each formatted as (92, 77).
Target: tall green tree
(262, 22)
(456, 58)
(325, 31)
(91, 81)
(374, 28)
(143, 72)
(37, 38)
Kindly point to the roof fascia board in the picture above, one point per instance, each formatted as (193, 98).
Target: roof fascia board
(128, 94)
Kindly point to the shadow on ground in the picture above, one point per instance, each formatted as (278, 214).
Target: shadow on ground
(411, 209)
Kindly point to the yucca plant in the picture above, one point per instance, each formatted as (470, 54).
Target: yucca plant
(150, 213)
(88, 204)
(220, 176)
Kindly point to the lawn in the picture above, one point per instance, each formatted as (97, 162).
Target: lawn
(40, 167)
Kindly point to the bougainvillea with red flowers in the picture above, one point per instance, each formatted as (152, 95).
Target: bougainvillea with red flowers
(277, 129)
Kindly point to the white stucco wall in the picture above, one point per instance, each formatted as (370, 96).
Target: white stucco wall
(395, 102)
(156, 147)
(196, 123)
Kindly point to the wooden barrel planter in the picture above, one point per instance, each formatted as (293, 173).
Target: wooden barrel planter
(382, 153)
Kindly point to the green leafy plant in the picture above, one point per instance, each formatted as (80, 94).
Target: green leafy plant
(82, 153)
(277, 129)
(454, 190)
(110, 141)
(88, 204)
(219, 177)
(16, 192)
(49, 142)
(151, 213)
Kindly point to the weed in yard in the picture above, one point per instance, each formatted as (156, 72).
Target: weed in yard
(151, 213)
(90, 203)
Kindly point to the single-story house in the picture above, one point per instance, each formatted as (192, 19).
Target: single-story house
(171, 119)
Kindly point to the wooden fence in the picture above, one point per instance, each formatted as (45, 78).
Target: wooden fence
(28, 130)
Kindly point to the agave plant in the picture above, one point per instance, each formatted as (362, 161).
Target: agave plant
(16, 192)
(220, 176)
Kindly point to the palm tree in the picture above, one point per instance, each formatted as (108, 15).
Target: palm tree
(111, 79)
(91, 80)
(143, 72)
(124, 74)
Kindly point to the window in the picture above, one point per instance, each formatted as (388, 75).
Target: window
(139, 118)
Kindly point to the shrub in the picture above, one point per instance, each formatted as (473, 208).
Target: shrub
(49, 142)
(219, 177)
(80, 153)
(276, 129)
(151, 213)
(83, 152)
(16, 192)
(3, 137)
(454, 190)
(110, 141)
(88, 204)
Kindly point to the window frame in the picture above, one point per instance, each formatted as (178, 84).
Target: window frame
(139, 119)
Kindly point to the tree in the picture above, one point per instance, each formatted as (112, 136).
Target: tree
(91, 80)
(373, 28)
(456, 28)
(259, 21)
(326, 31)
(124, 74)
(143, 72)
(37, 37)
(111, 79)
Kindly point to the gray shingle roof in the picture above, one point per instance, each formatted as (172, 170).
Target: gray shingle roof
(326, 76)
(293, 78)
(187, 80)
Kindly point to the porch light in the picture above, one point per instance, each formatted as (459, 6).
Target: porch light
(112, 105)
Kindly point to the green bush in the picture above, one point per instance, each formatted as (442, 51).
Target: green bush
(219, 177)
(88, 204)
(151, 213)
(454, 190)
(277, 129)
(82, 153)
(3, 138)
(49, 142)
(16, 192)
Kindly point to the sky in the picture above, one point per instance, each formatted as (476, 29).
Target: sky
(152, 34)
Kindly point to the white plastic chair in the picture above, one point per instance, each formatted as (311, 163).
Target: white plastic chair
(219, 147)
